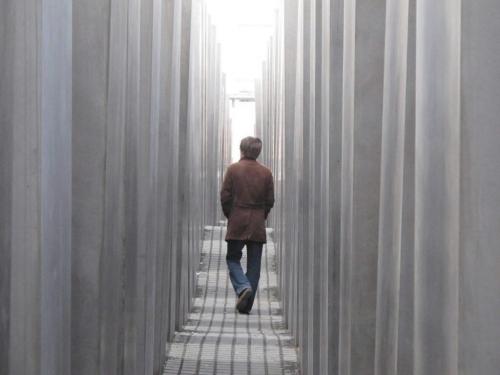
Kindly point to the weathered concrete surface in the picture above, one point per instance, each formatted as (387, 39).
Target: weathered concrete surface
(104, 136)
(337, 115)
(386, 224)
(6, 154)
(393, 346)
(437, 187)
(139, 198)
(364, 32)
(479, 266)
(36, 180)
(90, 86)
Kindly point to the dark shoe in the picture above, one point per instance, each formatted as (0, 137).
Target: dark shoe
(242, 302)
(247, 308)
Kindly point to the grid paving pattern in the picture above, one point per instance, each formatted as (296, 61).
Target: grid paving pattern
(218, 340)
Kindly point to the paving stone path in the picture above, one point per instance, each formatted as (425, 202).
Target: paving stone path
(216, 339)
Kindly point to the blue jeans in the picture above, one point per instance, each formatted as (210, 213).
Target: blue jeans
(239, 279)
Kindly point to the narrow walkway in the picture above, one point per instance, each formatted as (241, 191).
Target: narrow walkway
(216, 339)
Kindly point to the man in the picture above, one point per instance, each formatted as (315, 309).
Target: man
(247, 197)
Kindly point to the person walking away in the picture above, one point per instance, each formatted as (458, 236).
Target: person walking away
(247, 196)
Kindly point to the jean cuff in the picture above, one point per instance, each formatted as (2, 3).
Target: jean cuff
(238, 292)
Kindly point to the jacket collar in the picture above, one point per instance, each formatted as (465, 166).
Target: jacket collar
(247, 159)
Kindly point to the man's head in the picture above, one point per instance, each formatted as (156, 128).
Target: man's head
(250, 147)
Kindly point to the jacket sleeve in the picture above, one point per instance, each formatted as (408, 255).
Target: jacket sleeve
(269, 195)
(226, 194)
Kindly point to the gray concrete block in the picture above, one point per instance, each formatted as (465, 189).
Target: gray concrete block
(90, 72)
(396, 166)
(479, 266)
(6, 155)
(437, 188)
(36, 122)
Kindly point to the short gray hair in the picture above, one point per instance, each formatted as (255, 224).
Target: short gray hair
(250, 147)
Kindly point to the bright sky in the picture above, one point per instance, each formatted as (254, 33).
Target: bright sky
(243, 29)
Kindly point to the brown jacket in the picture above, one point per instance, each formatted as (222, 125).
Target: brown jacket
(247, 196)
